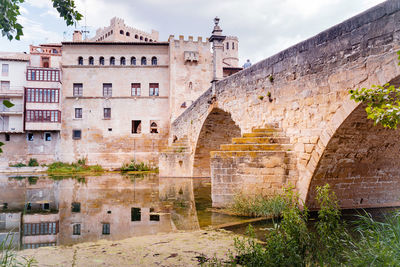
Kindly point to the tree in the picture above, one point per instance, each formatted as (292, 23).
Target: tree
(9, 10)
(383, 103)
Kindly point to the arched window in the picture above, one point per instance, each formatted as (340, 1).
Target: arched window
(145, 39)
(112, 31)
(101, 61)
(141, 37)
(136, 36)
(128, 34)
(151, 40)
(112, 60)
(190, 85)
(143, 61)
(133, 61)
(121, 32)
(153, 61)
(122, 61)
(80, 60)
(153, 127)
(227, 45)
(233, 45)
(91, 61)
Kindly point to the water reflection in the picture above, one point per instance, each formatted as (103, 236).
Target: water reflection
(47, 211)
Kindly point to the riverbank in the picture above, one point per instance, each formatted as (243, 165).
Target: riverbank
(170, 249)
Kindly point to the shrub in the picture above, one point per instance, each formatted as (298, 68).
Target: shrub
(61, 167)
(257, 206)
(18, 165)
(133, 166)
(33, 162)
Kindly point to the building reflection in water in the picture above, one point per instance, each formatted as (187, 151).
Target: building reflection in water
(112, 206)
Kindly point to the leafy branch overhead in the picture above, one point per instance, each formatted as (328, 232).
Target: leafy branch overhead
(383, 103)
(9, 10)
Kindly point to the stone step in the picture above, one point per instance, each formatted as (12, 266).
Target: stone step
(252, 154)
(264, 134)
(261, 140)
(266, 130)
(256, 147)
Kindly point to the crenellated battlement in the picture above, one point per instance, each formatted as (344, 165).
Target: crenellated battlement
(189, 39)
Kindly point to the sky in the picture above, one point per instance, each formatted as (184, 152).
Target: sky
(264, 27)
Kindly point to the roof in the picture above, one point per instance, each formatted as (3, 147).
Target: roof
(116, 43)
(14, 56)
(51, 44)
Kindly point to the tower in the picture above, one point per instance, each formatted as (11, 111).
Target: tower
(231, 52)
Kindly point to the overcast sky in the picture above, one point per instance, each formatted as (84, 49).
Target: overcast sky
(264, 27)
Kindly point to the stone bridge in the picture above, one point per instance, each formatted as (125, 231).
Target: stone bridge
(297, 121)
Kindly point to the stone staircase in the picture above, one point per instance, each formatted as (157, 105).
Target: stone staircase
(260, 162)
(180, 145)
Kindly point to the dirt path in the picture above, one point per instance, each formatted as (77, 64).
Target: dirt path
(172, 249)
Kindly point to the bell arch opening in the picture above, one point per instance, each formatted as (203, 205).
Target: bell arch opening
(361, 164)
(218, 128)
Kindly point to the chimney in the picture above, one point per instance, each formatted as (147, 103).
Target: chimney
(77, 37)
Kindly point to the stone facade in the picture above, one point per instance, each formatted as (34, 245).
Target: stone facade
(304, 91)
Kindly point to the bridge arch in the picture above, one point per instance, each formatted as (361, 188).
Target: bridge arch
(218, 128)
(360, 161)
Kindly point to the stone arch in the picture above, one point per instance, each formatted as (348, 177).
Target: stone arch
(360, 161)
(218, 128)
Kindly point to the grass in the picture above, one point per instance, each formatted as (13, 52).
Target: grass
(133, 166)
(8, 254)
(257, 206)
(78, 167)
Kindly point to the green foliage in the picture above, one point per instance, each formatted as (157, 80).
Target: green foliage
(8, 254)
(379, 242)
(9, 10)
(33, 162)
(79, 167)
(1, 144)
(383, 104)
(133, 166)
(18, 165)
(261, 97)
(271, 78)
(257, 206)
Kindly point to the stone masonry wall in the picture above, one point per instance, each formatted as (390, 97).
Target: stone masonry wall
(309, 86)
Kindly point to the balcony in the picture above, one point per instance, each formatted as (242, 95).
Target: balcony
(14, 110)
(43, 74)
(13, 91)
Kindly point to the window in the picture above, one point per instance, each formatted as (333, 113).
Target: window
(80, 60)
(141, 38)
(76, 229)
(28, 206)
(136, 127)
(30, 136)
(128, 34)
(136, 36)
(39, 95)
(155, 217)
(46, 62)
(76, 134)
(107, 89)
(106, 229)
(46, 206)
(107, 113)
(123, 62)
(227, 45)
(233, 46)
(4, 69)
(133, 61)
(7, 137)
(101, 60)
(5, 206)
(153, 61)
(112, 60)
(135, 89)
(145, 39)
(43, 116)
(78, 113)
(136, 214)
(47, 136)
(5, 85)
(76, 207)
(121, 32)
(43, 75)
(43, 228)
(153, 127)
(91, 61)
(153, 89)
(143, 61)
(78, 89)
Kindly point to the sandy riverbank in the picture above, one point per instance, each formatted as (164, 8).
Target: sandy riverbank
(170, 249)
